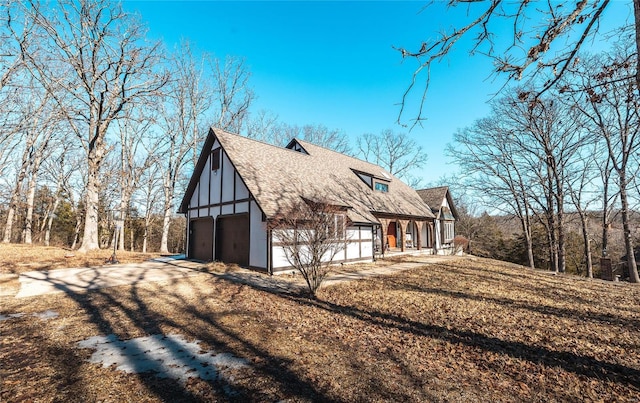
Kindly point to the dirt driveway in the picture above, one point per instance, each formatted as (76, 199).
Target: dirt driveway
(36, 283)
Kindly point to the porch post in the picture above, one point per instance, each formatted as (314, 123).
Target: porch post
(384, 223)
(419, 225)
(433, 237)
(403, 229)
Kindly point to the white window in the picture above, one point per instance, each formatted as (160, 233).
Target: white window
(448, 231)
(382, 187)
(336, 228)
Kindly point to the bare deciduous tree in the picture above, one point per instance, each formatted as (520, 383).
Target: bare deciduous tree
(544, 40)
(265, 127)
(580, 180)
(396, 152)
(311, 234)
(132, 130)
(494, 169)
(232, 94)
(610, 102)
(37, 124)
(187, 100)
(97, 54)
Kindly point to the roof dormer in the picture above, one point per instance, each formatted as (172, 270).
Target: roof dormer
(375, 182)
(296, 146)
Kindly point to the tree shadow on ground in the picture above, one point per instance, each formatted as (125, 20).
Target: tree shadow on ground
(578, 364)
(545, 309)
(113, 314)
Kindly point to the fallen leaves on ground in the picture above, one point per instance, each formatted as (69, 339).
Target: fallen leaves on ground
(460, 330)
(19, 258)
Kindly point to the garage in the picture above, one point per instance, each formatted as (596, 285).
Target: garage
(232, 239)
(201, 239)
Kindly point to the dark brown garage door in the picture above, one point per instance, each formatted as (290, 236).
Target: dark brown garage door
(201, 239)
(232, 239)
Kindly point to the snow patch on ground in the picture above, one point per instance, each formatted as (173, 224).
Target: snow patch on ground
(46, 315)
(11, 316)
(169, 356)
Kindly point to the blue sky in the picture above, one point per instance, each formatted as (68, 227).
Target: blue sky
(332, 63)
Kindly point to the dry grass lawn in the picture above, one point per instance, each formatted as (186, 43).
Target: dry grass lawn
(17, 258)
(465, 330)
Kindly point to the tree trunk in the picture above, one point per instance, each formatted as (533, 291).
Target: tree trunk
(164, 241)
(8, 228)
(586, 243)
(15, 196)
(605, 210)
(144, 240)
(31, 193)
(628, 243)
(636, 13)
(90, 234)
(553, 243)
(526, 230)
(47, 233)
(124, 207)
(28, 221)
(168, 203)
(76, 230)
(562, 249)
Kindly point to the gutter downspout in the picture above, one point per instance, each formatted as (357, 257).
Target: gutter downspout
(269, 253)
(373, 241)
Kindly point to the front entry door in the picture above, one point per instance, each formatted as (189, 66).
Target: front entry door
(391, 234)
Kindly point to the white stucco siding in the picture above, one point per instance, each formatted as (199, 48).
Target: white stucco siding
(367, 250)
(214, 188)
(353, 250)
(203, 198)
(352, 234)
(279, 258)
(228, 175)
(366, 243)
(353, 244)
(276, 234)
(258, 238)
(445, 203)
(242, 207)
(194, 197)
(215, 211)
(241, 190)
(227, 209)
(358, 245)
(366, 232)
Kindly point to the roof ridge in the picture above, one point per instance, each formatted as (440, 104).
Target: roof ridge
(433, 188)
(342, 154)
(217, 130)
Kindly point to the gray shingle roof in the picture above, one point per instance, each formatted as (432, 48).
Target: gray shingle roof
(278, 177)
(434, 197)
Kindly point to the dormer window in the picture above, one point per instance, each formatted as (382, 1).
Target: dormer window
(375, 182)
(381, 187)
